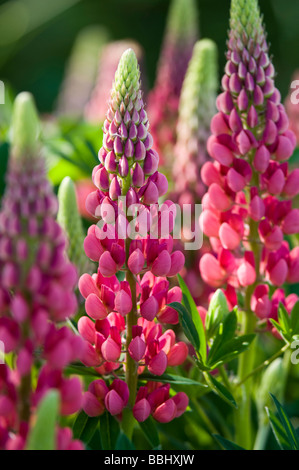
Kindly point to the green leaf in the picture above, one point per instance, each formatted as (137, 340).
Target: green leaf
(226, 444)
(226, 346)
(287, 425)
(85, 427)
(109, 431)
(194, 320)
(149, 430)
(228, 351)
(277, 326)
(81, 370)
(295, 319)
(284, 318)
(278, 431)
(217, 311)
(170, 378)
(124, 443)
(43, 434)
(220, 390)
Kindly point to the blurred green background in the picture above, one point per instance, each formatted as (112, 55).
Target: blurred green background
(36, 36)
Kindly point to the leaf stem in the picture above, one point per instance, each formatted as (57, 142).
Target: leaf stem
(264, 364)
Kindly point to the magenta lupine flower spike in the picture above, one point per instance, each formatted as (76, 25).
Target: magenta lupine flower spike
(180, 36)
(36, 282)
(248, 208)
(129, 186)
(95, 109)
(197, 107)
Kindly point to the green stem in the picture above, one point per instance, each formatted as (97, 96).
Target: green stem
(131, 366)
(224, 376)
(244, 429)
(206, 420)
(264, 364)
(244, 433)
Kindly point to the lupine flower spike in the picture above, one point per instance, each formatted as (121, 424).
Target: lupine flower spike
(95, 109)
(69, 219)
(197, 107)
(248, 207)
(180, 37)
(130, 311)
(36, 287)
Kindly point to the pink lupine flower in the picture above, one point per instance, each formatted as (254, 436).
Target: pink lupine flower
(93, 399)
(117, 397)
(65, 440)
(96, 107)
(158, 403)
(37, 285)
(126, 199)
(248, 209)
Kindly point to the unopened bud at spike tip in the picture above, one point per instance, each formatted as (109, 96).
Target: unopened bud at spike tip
(25, 129)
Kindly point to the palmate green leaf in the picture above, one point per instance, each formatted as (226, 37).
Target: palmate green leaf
(220, 390)
(150, 432)
(84, 427)
(226, 346)
(289, 431)
(109, 431)
(187, 324)
(228, 351)
(287, 325)
(43, 434)
(226, 444)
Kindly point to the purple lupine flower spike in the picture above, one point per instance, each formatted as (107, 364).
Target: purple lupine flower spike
(36, 282)
(163, 103)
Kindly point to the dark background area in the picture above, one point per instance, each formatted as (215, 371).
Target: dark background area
(36, 61)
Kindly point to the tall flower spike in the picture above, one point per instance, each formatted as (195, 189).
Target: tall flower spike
(95, 109)
(180, 36)
(125, 312)
(69, 219)
(36, 283)
(81, 71)
(197, 106)
(248, 207)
